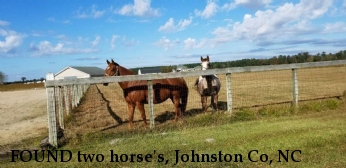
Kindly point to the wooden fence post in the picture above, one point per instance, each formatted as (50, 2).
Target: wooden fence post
(229, 93)
(61, 108)
(151, 103)
(67, 101)
(50, 91)
(295, 87)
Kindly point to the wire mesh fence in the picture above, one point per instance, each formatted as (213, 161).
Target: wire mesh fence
(104, 107)
(321, 82)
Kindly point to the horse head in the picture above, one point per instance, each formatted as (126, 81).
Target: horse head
(205, 63)
(111, 70)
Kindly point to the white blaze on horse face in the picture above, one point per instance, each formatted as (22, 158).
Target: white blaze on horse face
(205, 65)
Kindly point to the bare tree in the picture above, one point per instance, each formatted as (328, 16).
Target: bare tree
(2, 77)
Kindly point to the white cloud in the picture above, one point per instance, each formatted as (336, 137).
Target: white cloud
(209, 11)
(114, 38)
(96, 41)
(46, 48)
(138, 8)
(170, 27)
(4, 23)
(184, 23)
(128, 43)
(228, 6)
(166, 43)
(51, 19)
(337, 27)
(252, 4)
(89, 13)
(288, 19)
(11, 42)
(191, 43)
(62, 37)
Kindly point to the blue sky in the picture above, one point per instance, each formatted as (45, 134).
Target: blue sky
(38, 36)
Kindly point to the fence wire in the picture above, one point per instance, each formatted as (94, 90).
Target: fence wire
(104, 107)
(321, 82)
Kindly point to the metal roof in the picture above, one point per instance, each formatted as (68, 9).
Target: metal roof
(151, 70)
(93, 71)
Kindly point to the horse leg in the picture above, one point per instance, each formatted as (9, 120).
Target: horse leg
(176, 101)
(140, 107)
(204, 103)
(131, 109)
(216, 99)
(212, 103)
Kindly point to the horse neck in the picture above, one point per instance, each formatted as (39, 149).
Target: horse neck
(123, 71)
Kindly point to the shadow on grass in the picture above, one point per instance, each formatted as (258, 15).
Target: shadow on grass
(111, 112)
(166, 116)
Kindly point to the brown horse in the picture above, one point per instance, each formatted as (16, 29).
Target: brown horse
(136, 92)
(208, 85)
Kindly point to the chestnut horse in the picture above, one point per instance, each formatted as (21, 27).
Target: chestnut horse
(208, 85)
(136, 92)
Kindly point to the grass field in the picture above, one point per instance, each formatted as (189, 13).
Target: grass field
(316, 127)
(13, 87)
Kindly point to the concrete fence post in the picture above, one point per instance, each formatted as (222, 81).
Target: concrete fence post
(61, 108)
(295, 87)
(50, 91)
(151, 103)
(73, 99)
(67, 101)
(229, 93)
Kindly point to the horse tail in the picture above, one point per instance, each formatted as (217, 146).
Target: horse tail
(184, 97)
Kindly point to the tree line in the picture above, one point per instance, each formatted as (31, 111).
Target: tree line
(275, 60)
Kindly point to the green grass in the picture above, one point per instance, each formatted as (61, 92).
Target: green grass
(315, 128)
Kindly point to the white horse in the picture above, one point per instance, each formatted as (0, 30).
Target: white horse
(208, 85)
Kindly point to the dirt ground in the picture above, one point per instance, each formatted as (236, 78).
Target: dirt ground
(23, 114)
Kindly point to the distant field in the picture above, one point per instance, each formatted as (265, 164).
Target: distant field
(12, 87)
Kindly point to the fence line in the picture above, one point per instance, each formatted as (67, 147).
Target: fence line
(75, 88)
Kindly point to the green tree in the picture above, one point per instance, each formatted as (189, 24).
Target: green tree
(23, 79)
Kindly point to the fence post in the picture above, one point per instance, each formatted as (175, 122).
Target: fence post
(61, 108)
(67, 102)
(295, 87)
(50, 91)
(74, 95)
(229, 93)
(151, 103)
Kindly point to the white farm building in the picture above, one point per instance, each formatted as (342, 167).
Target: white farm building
(79, 72)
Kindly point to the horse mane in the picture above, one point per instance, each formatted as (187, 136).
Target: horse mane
(125, 71)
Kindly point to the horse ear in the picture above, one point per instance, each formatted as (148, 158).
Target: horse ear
(208, 58)
(108, 62)
(201, 58)
(115, 63)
